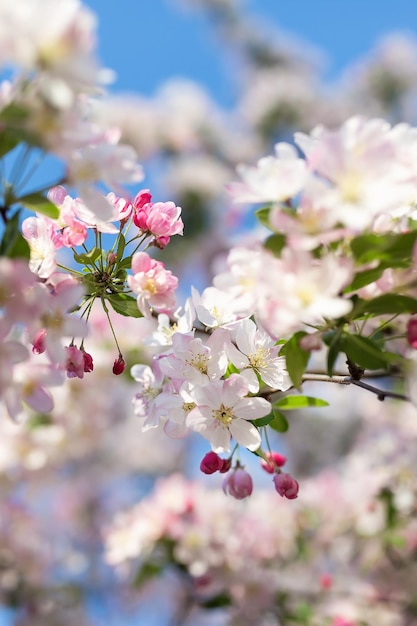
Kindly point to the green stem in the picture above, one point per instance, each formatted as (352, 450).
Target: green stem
(105, 309)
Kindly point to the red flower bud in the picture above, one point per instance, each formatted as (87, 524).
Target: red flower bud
(211, 463)
(412, 332)
(226, 465)
(88, 362)
(119, 365)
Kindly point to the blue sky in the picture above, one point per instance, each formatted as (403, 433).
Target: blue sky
(148, 41)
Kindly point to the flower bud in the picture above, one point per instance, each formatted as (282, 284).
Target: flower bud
(111, 258)
(275, 459)
(286, 485)
(412, 332)
(88, 362)
(226, 465)
(38, 343)
(238, 484)
(211, 463)
(143, 197)
(119, 365)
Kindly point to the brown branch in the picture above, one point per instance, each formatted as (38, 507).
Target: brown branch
(348, 380)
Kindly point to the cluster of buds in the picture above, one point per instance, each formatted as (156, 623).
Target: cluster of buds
(285, 484)
(239, 484)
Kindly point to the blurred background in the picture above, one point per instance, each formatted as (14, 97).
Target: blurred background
(102, 524)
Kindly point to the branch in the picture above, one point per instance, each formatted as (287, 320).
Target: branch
(348, 380)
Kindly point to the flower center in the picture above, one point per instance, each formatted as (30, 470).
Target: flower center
(199, 362)
(224, 415)
(259, 358)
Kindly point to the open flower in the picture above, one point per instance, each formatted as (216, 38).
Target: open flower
(223, 412)
(153, 284)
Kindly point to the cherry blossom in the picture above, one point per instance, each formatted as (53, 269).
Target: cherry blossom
(153, 284)
(256, 354)
(223, 412)
(274, 179)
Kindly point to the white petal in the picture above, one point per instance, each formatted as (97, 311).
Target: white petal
(245, 434)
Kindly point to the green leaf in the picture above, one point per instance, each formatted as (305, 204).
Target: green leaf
(392, 248)
(262, 215)
(39, 204)
(120, 246)
(366, 353)
(388, 303)
(8, 141)
(260, 453)
(290, 403)
(364, 278)
(296, 358)
(217, 602)
(332, 339)
(263, 421)
(126, 263)
(279, 423)
(88, 258)
(146, 572)
(13, 244)
(124, 304)
(275, 243)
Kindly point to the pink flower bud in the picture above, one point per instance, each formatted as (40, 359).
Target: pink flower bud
(111, 258)
(211, 463)
(275, 459)
(75, 362)
(143, 197)
(412, 332)
(238, 484)
(161, 242)
(286, 485)
(38, 344)
(88, 362)
(119, 365)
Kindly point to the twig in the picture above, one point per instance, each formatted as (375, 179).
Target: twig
(348, 380)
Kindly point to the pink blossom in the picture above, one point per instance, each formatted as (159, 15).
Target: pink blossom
(38, 342)
(195, 361)
(274, 179)
(75, 362)
(238, 484)
(162, 219)
(286, 485)
(39, 234)
(143, 197)
(29, 387)
(153, 284)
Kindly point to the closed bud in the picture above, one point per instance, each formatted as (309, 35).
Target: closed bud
(119, 365)
(238, 484)
(274, 460)
(412, 332)
(88, 362)
(286, 485)
(211, 463)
